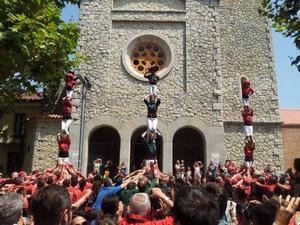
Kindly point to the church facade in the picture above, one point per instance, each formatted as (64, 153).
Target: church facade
(203, 49)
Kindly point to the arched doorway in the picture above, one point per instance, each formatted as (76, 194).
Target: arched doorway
(104, 143)
(138, 149)
(188, 144)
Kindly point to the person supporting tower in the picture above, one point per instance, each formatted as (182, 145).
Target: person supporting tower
(152, 106)
(247, 115)
(64, 142)
(153, 79)
(151, 139)
(247, 91)
(249, 151)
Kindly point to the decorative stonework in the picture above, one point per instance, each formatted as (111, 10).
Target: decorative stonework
(144, 51)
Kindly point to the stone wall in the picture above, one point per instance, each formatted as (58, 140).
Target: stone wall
(45, 149)
(193, 87)
(246, 47)
(267, 140)
(143, 5)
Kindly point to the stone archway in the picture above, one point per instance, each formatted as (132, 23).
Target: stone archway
(138, 149)
(104, 143)
(188, 144)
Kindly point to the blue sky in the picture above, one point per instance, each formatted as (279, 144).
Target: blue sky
(288, 77)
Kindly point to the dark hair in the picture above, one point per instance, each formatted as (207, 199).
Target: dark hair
(193, 206)
(264, 214)
(142, 184)
(107, 182)
(110, 204)
(74, 180)
(131, 185)
(49, 180)
(82, 184)
(66, 183)
(48, 204)
(18, 180)
(21, 191)
(40, 183)
(106, 221)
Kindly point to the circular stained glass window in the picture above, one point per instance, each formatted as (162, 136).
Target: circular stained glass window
(146, 55)
(145, 51)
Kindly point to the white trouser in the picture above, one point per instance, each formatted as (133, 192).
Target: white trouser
(152, 89)
(70, 93)
(246, 101)
(249, 163)
(63, 160)
(248, 130)
(152, 124)
(65, 125)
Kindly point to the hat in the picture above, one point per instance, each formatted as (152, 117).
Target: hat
(10, 208)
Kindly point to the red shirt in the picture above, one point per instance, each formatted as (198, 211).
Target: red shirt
(66, 105)
(247, 117)
(70, 82)
(64, 144)
(139, 220)
(247, 91)
(75, 194)
(248, 150)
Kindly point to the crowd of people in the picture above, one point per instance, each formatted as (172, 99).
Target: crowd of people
(219, 194)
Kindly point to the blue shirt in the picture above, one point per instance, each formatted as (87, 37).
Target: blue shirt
(102, 193)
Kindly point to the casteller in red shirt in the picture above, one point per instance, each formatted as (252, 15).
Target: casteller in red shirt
(249, 150)
(64, 142)
(247, 115)
(70, 82)
(133, 219)
(247, 90)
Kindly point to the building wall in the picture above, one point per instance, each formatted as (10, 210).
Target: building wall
(214, 45)
(291, 143)
(41, 145)
(246, 46)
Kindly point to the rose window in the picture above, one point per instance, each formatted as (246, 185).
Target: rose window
(146, 55)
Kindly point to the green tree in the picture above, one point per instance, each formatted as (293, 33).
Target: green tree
(285, 17)
(36, 46)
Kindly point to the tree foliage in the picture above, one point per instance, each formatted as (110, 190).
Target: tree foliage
(285, 16)
(36, 46)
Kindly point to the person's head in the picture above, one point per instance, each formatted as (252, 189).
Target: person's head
(51, 206)
(14, 175)
(40, 183)
(153, 69)
(131, 185)
(64, 134)
(142, 183)
(107, 182)
(79, 220)
(82, 183)
(246, 83)
(110, 204)
(177, 161)
(10, 208)
(193, 206)
(74, 180)
(140, 205)
(152, 98)
(66, 183)
(264, 214)
(49, 180)
(18, 181)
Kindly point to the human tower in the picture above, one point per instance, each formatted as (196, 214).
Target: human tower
(151, 136)
(247, 115)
